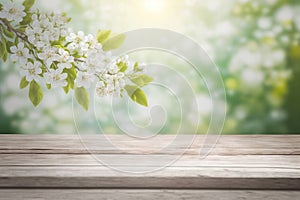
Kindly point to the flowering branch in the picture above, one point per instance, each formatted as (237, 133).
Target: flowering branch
(52, 54)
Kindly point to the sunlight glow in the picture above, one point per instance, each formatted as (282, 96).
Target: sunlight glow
(154, 5)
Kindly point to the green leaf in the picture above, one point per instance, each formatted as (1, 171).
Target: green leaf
(48, 86)
(102, 35)
(22, 28)
(9, 44)
(141, 80)
(27, 19)
(4, 50)
(113, 42)
(57, 44)
(70, 78)
(136, 66)
(28, 4)
(66, 89)
(35, 93)
(122, 66)
(137, 95)
(8, 33)
(1, 49)
(82, 97)
(4, 57)
(16, 41)
(23, 83)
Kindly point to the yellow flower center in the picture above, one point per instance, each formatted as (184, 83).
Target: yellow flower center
(31, 71)
(56, 77)
(84, 78)
(20, 53)
(13, 11)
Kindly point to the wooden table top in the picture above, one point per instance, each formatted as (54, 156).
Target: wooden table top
(110, 163)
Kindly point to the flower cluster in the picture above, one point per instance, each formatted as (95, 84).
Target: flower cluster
(50, 52)
(12, 12)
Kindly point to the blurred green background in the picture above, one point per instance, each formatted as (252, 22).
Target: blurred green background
(255, 44)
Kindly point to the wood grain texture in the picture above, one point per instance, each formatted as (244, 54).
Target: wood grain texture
(130, 194)
(227, 144)
(62, 161)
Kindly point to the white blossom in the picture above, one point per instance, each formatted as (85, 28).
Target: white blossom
(100, 89)
(60, 19)
(44, 29)
(48, 55)
(32, 71)
(96, 61)
(32, 35)
(112, 85)
(141, 67)
(40, 23)
(56, 78)
(12, 12)
(20, 53)
(92, 42)
(64, 59)
(79, 43)
(84, 79)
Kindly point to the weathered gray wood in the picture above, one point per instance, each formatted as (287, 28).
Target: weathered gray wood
(227, 145)
(139, 182)
(263, 161)
(237, 162)
(117, 194)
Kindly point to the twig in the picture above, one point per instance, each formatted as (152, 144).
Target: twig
(22, 36)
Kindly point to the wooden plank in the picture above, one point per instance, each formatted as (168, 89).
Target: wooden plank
(227, 145)
(271, 161)
(68, 141)
(212, 172)
(190, 151)
(188, 178)
(127, 194)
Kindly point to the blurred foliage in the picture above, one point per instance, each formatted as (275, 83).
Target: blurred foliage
(255, 43)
